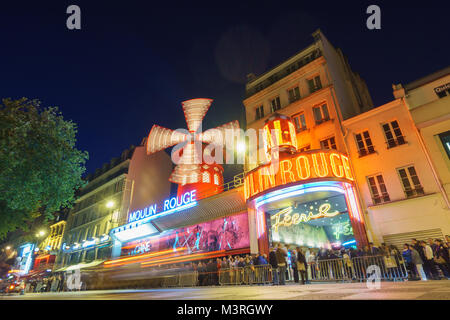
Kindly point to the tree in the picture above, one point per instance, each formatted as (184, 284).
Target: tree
(40, 168)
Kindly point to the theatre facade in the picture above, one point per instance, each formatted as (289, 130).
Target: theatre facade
(304, 199)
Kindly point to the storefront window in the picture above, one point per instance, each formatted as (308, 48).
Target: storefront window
(90, 255)
(322, 223)
(104, 253)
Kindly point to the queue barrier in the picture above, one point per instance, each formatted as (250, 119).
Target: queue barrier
(388, 268)
(231, 276)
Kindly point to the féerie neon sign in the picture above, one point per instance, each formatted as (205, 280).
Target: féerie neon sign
(171, 205)
(296, 218)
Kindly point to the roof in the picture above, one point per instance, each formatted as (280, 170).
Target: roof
(427, 79)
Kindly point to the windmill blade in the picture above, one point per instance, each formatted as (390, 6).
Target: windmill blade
(217, 135)
(186, 173)
(192, 154)
(161, 138)
(194, 112)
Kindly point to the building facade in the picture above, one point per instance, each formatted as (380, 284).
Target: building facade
(105, 201)
(51, 245)
(317, 90)
(401, 197)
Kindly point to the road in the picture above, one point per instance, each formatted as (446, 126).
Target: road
(419, 290)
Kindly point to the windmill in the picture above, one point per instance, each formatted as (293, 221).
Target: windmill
(192, 172)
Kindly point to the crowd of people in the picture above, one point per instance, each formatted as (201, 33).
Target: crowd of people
(420, 259)
(53, 283)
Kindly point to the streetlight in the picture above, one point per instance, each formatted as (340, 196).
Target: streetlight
(110, 204)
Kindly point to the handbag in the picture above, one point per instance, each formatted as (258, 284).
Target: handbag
(389, 262)
(439, 260)
(300, 266)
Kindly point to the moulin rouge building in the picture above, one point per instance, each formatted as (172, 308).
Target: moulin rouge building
(312, 184)
(310, 200)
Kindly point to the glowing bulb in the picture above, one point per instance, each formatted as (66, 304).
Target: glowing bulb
(110, 204)
(240, 147)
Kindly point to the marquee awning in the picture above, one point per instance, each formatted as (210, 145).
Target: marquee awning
(81, 266)
(214, 207)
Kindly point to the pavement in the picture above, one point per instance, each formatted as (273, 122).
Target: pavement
(409, 290)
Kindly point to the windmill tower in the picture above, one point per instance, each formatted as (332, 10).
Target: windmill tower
(192, 172)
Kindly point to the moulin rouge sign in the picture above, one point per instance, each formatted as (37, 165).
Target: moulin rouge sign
(314, 164)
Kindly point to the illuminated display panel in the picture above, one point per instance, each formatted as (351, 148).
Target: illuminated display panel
(227, 233)
(322, 223)
(314, 164)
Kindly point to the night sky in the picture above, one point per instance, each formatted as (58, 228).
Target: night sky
(134, 62)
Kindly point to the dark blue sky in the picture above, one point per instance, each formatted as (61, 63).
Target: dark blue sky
(133, 62)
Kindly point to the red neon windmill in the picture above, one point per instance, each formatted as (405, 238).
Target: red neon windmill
(192, 172)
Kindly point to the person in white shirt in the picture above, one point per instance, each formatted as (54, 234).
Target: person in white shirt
(428, 264)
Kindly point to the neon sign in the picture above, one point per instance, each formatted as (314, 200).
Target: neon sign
(171, 205)
(302, 166)
(343, 228)
(296, 218)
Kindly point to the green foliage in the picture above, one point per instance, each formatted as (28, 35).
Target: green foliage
(40, 168)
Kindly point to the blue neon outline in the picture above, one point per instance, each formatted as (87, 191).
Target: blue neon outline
(143, 221)
(349, 242)
(298, 190)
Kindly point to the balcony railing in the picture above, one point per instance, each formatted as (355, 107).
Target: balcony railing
(322, 120)
(394, 142)
(365, 152)
(298, 130)
(411, 193)
(283, 73)
(384, 197)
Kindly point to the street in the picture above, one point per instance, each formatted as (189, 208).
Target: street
(412, 290)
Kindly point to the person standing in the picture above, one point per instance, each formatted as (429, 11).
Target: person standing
(441, 257)
(311, 261)
(273, 262)
(281, 260)
(417, 262)
(428, 263)
(302, 265)
(408, 260)
(293, 258)
(416, 245)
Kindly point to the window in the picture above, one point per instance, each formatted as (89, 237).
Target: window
(445, 139)
(314, 84)
(321, 114)
(216, 179)
(410, 182)
(378, 189)
(205, 178)
(90, 255)
(364, 143)
(305, 148)
(328, 143)
(294, 94)
(299, 122)
(259, 112)
(104, 253)
(275, 104)
(393, 134)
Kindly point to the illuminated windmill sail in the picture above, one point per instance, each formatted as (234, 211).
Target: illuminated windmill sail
(190, 168)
